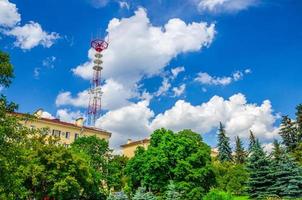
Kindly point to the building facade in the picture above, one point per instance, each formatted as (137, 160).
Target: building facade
(67, 132)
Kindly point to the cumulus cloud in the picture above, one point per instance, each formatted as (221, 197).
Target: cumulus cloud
(47, 115)
(138, 49)
(131, 121)
(137, 120)
(205, 78)
(68, 116)
(115, 95)
(9, 15)
(28, 36)
(218, 6)
(37, 72)
(31, 35)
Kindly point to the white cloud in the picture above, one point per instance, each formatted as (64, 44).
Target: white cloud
(47, 115)
(114, 96)
(164, 88)
(137, 120)
(179, 90)
(124, 4)
(49, 62)
(31, 35)
(177, 70)
(236, 114)
(268, 147)
(131, 121)
(68, 116)
(218, 6)
(9, 15)
(138, 49)
(205, 78)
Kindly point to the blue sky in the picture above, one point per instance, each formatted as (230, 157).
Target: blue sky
(249, 50)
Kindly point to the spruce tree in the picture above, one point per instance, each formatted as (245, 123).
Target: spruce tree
(299, 121)
(277, 150)
(224, 149)
(172, 193)
(141, 194)
(240, 154)
(259, 168)
(252, 141)
(289, 133)
(287, 176)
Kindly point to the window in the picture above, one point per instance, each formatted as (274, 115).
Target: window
(56, 133)
(67, 135)
(76, 135)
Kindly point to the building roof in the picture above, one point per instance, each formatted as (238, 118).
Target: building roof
(144, 141)
(58, 121)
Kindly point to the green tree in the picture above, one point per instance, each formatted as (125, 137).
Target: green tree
(216, 194)
(224, 149)
(240, 154)
(117, 196)
(252, 141)
(182, 157)
(287, 176)
(141, 194)
(299, 121)
(6, 70)
(116, 172)
(277, 150)
(259, 168)
(231, 177)
(289, 133)
(58, 172)
(172, 193)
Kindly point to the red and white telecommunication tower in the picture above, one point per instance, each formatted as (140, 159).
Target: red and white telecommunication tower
(95, 92)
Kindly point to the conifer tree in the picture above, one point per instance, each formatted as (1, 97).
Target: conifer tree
(289, 133)
(141, 194)
(259, 168)
(252, 141)
(277, 150)
(287, 176)
(240, 154)
(172, 193)
(299, 121)
(224, 149)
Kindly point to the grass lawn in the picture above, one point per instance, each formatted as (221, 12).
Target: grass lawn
(241, 198)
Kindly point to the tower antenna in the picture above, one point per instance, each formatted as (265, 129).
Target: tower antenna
(95, 91)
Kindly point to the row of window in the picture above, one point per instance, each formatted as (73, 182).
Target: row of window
(66, 135)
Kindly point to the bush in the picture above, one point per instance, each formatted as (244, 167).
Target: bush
(216, 194)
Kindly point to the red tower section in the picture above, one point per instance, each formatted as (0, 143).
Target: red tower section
(95, 91)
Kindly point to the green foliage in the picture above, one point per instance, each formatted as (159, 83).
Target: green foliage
(224, 149)
(172, 193)
(240, 154)
(6, 70)
(117, 196)
(299, 121)
(116, 172)
(289, 133)
(277, 150)
(259, 168)
(216, 194)
(181, 157)
(287, 176)
(231, 177)
(252, 141)
(141, 194)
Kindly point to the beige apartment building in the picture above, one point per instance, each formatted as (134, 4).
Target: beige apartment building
(128, 150)
(67, 132)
